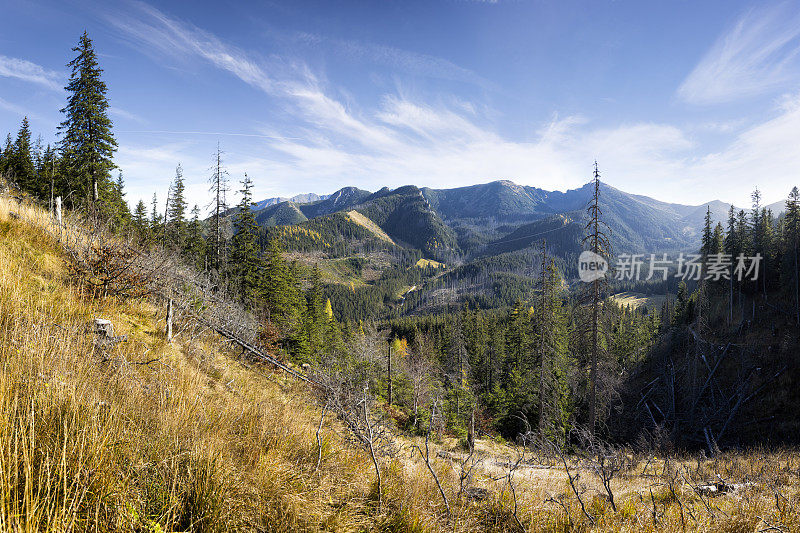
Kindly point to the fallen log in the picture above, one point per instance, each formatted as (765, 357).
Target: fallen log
(255, 351)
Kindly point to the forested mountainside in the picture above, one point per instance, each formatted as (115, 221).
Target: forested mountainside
(338, 201)
(485, 236)
(482, 214)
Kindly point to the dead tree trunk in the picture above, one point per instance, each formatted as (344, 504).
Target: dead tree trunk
(600, 245)
(169, 320)
(370, 438)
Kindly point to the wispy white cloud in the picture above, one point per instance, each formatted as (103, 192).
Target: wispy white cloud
(25, 112)
(757, 54)
(397, 59)
(325, 143)
(444, 148)
(22, 69)
(170, 37)
(765, 155)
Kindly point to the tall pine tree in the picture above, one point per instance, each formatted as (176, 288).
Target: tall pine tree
(245, 262)
(551, 336)
(176, 215)
(114, 205)
(22, 166)
(793, 243)
(195, 246)
(7, 157)
(87, 144)
(155, 217)
(139, 220)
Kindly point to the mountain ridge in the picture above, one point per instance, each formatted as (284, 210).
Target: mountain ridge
(477, 219)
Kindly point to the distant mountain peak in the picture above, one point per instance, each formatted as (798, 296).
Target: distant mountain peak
(343, 195)
(305, 198)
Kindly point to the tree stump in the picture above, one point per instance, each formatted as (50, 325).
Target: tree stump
(104, 334)
(103, 328)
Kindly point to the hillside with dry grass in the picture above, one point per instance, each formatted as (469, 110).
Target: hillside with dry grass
(149, 435)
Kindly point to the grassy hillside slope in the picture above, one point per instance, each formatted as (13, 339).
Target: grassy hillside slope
(150, 435)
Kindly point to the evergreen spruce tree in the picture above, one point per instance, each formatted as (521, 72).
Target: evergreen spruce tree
(756, 229)
(315, 319)
(684, 309)
(769, 250)
(139, 220)
(114, 206)
(552, 336)
(176, 216)
(22, 166)
(282, 298)
(708, 234)
(718, 241)
(7, 157)
(87, 144)
(706, 249)
(245, 262)
(155, 217)
(195, 246)
(39, 186)
(47, 174)
(731, 245)
(792, 229)
(458, 369)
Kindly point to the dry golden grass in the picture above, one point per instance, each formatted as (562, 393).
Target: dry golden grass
(637, 299)
(194, 440)
(95, 440)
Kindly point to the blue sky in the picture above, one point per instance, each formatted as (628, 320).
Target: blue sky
(685, 101)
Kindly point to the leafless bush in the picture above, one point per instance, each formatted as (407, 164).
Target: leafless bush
(426, 458)
(573, 471)
(466, 468)
(344, 383)
(107, 267)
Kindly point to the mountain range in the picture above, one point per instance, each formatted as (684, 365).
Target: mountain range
(412, 250)
(501, 215)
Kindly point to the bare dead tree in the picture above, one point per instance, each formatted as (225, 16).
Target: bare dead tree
(319, 440)
(466, 468)
(599, 244)
(553, 448)
(509, 477)
(219, 188)
(420, 369)
(370, 438)
(578, 489)
(426, 458)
